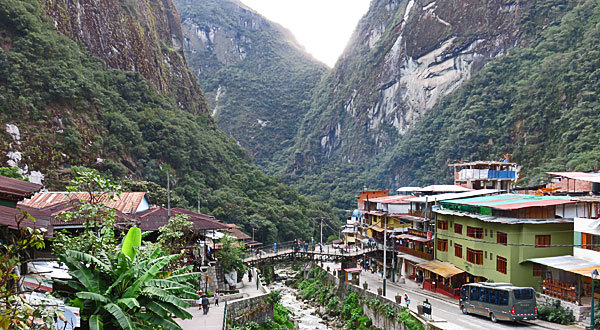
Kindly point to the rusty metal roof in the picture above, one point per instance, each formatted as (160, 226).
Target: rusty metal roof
(240, 235)
(156, 217)
(127, 202)
(10, 216)
(16, 190)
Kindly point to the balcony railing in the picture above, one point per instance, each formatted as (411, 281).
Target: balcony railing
(416, 253)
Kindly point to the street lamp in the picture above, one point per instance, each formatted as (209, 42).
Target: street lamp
(594, 276)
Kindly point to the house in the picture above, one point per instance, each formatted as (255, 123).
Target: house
(126, 202)
(495, 237)
(568, 277)
(575, 182)
(12, 191)
(486, 174)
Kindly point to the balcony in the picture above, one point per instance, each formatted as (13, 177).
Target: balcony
(416, 253)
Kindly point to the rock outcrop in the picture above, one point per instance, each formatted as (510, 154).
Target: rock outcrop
(136, 35)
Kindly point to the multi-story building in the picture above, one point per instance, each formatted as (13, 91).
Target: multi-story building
(494, 238)
(574, 182)
(486, 174)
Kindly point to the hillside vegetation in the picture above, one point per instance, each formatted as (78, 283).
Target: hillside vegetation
(257, 78)
(71, 110)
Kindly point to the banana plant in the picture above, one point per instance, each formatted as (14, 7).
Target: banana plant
(120, 291)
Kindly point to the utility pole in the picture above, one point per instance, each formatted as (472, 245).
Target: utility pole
(198, 200)
(321, 231)
(384, 251)
(168, 194)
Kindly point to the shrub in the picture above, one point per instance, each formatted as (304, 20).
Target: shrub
(556, 313)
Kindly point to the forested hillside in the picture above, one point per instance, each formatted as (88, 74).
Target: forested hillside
(532, 99)
(71, 110)
(257, 78)
(539, 103)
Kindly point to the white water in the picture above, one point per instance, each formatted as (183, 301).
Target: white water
(304, 319)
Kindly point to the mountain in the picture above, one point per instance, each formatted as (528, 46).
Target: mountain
(406, 60)
(257, 78)
(78, 90)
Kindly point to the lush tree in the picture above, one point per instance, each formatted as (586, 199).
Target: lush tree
(120, 291)
(231, 255)
(12, 172)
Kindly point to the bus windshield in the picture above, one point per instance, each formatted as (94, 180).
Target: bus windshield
(523, 294)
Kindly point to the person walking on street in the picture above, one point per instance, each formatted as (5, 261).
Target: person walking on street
(204, 304)
(406, 300)
(250, 275)
(256, 282)
(217, 297)
(274, 247)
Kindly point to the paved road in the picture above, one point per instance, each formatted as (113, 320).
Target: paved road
(445, 310)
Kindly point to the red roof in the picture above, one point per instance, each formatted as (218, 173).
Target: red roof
(16, 190)
(127, 202)
(352, 270)
(240, 235)
(156, 217)
(10, 215)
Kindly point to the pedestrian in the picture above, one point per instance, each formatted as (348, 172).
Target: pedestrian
(250, 275)
(306, 246)
(199, 300)
(217, 297)
(205, 304)
(321, 247)
(274, 247)
(406, 300)
(256, 282)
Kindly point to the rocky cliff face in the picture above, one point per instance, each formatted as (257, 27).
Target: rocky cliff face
(135, 35)
(257, 78)
(404, 56)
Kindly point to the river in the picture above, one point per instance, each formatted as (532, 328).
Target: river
(303, 315)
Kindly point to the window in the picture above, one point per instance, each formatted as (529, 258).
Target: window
(485, 254)
(501, 265)
(486, 232)
(442, 244)
(491, 256)
(458, 250)
(542, 241)
(537, 270)
(443, 225)
(501, 238)
(474, 232)
(523, 294)
(475, 256)
(491, 233)
(458, 228)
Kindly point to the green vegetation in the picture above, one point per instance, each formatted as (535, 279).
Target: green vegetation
(120, 291)
(16, 250)
(12, 172)
(231, 256)
(556, 313)
(259, 73)
(539, 103)
(71, 110)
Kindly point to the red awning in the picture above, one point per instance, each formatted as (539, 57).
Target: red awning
(353, 270)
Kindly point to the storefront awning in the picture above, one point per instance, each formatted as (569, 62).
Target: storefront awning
(444, 269)
(569, 263)
(353, 270)
(414, 238)
(376, 228)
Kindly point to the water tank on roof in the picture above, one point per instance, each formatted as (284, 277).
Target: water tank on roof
(356, 214)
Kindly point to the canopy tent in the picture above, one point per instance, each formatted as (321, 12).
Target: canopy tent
(444, 269)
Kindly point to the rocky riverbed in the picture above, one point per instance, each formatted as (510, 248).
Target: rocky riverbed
(304, 315)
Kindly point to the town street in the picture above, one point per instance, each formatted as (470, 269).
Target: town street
(445, 310)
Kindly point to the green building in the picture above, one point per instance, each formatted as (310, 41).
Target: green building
(493, 237)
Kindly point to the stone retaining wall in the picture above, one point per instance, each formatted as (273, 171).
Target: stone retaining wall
(253, 309)
(582, 313)
(378, 317)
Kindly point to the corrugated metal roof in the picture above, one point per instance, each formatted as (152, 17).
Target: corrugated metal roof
(391, 199)
(156, 217)
(512, 201)
(443, 197)
(14, 189)
(443, 188)
(408, 189)
(9, 217)
(127, 202)
(583, 176)
(491, 218)
(569, 263)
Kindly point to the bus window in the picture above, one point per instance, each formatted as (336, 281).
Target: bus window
(523, 294)
(474, 294)
(493, 298)
(483, 294)
(503, 297)
(463, 292)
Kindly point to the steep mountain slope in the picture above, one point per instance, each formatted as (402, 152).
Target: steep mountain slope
(257, 78)
(539, 103)
(405, 57)
(60, 107)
